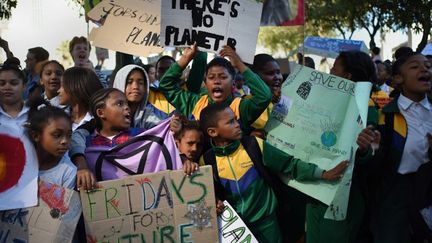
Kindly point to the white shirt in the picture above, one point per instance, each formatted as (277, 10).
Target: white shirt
(55, 101)
(418, 116)
(18, 121)
(86, 118)
(63, 174)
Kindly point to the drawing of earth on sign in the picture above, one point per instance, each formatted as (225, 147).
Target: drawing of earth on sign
(329, 128)
(12, 161)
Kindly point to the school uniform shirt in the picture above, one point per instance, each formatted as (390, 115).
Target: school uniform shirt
(18, 121)
(418, 117)
(55, 101)
(384, 87)
(63, 174)
(85, 119)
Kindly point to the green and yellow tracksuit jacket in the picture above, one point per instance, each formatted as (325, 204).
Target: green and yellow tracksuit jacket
(245, 190)
(190, 104)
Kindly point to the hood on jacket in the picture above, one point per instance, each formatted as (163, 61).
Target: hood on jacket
(120, 82)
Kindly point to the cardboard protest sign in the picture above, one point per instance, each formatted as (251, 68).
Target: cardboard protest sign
(18, 169)
(160, 207)
(151, 151)
(53, 220)
(212, 25)
(129, 26)
(326, 115)
(232, 228)
(283, 13)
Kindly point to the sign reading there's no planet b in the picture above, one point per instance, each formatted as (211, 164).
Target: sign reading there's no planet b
(129, 26)
(212, 24)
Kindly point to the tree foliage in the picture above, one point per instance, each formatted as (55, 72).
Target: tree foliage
(287, 39)
(6, 8)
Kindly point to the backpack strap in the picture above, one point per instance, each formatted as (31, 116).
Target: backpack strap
(253, 149)
(210, 159)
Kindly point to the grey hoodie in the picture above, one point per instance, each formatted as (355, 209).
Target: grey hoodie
(146, 116)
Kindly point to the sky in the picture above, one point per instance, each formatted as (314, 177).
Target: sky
(47, 23)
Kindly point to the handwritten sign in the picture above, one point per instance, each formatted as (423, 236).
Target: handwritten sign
(160, 207)
(212, 25)
(326, 115)
(232, 228)
(53, 220)
(130, 26)
(18, 169)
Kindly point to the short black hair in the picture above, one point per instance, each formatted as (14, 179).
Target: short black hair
(260, 60)
(39, 53)
(15, 69)
(359, 65)
(209, 116)
(221, 62)
(163, 58)
(402, 55)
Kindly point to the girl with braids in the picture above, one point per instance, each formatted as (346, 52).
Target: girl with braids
(49, 128)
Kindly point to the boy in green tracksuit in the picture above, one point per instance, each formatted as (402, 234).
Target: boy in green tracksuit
(219, 83)
(239, 178)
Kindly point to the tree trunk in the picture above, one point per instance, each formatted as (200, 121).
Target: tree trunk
(425, 36)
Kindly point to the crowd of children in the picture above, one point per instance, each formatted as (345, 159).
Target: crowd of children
(217, 112)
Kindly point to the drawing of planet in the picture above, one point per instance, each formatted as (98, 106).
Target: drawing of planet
(12, 161)
(328, 138)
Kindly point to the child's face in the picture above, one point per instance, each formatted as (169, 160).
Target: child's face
(227, 129)
(152, 74)
(80, 54)
(55, 137)
(116, 113)
(135, 87)
(162, 67)
(415, 78)
(219, 83)
(11, 88)
(382, 73)
(191, 144)
(65, 99)
(271, 75)
(50, 79)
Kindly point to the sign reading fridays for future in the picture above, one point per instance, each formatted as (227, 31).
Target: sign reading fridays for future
(159, 207)
(321, 127)
(212, 24)
(129, 26)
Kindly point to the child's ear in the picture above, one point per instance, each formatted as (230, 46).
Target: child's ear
(100, 113)
(35, 136)
(212, 132)
(398, 79)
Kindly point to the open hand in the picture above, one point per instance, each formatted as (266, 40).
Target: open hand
(336, 173)
(175, 124)
(188, 54)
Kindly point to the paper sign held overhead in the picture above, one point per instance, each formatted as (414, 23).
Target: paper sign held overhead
(53, 220)
(160, 207)
(129, 26)
(212, 25)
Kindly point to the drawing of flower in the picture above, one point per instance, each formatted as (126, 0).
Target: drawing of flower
(199, 215)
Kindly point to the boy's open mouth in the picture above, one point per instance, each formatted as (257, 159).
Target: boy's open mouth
(217, 92)
(425, 78)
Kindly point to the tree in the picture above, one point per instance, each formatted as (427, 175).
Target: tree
(6, 8)
(287, 39)
(414, 14)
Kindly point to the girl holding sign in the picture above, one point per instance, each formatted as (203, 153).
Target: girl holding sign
(355, 66)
